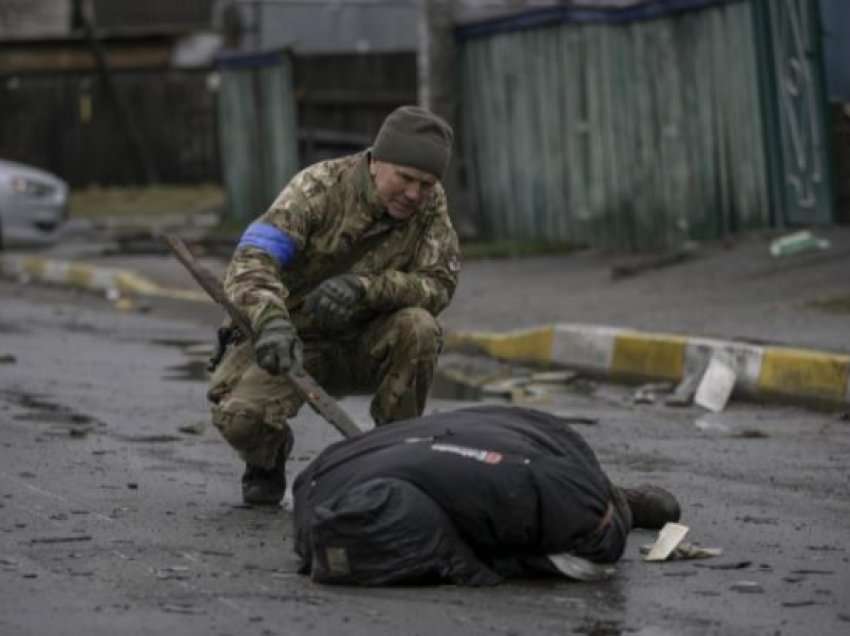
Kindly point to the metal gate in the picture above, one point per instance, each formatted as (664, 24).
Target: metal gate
(795, 111)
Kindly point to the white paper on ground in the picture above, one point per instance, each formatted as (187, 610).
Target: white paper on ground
(716, 386)
(669, 537)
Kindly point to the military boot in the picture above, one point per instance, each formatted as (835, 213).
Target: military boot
(266, 486)
(651, 506)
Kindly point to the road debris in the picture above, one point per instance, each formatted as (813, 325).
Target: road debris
(669, 537)
(716, 385)
(760, 521)
(686, 552)
(553, 377)
(176, 572)
(683, 394)
(648, 393)
(747, 587)
(824, 548)
(796, 243)
(508, 388)
(197, 428)
(65, 539)
(750, 433)
(8, 358)
(218, 553)
(656, 261)
(180, 608)
(683, 574)
(805, 603)
(149, 439)
(732, 565)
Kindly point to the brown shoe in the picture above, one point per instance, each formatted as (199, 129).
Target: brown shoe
(651, 506)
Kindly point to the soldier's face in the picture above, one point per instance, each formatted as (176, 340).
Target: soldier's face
(401, 189)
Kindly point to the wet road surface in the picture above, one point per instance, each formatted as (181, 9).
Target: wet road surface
(120, 512)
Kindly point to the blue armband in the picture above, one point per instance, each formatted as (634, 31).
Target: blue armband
(271, 240)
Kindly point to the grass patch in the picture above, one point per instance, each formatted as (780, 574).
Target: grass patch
(96, 202)
(513, 249)
(838, 305)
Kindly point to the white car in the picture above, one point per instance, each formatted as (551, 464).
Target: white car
(33, 205)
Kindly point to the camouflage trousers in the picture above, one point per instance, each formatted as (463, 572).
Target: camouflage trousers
(394, 356)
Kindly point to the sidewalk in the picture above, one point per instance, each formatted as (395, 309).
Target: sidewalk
(782, 323)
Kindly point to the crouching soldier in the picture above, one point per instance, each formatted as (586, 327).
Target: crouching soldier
(345, 274)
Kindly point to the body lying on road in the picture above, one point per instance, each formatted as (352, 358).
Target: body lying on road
(470, 497)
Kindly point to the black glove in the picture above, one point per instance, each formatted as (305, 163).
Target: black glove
(335, 304)
(278, 348)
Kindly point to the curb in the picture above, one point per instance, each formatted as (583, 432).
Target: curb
(762, 371)
(98, 279)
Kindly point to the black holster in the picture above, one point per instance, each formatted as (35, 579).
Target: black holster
(224, 337)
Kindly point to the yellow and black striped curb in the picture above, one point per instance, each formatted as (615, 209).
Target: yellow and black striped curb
(89, 277)
(784, 372)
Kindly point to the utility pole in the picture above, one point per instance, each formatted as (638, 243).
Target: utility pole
(437, 58)
(84, 13)
(439, 86)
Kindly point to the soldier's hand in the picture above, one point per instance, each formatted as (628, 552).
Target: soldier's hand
(278, 348)
(336, 303)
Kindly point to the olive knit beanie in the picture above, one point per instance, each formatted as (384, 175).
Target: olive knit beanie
(414, 137)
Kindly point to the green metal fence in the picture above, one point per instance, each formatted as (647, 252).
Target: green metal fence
(632, 134)
(257, 129)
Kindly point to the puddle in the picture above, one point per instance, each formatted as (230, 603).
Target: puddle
(8, 327)
(179, 343)
(149, 439)
(57, 417)
(41, 410)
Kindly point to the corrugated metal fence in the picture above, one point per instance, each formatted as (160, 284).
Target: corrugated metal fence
(257, 129)
(632, 135)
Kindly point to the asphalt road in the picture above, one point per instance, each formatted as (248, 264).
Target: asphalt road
(115, 518)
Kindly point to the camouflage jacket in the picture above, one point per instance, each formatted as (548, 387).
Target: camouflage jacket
(317, 222)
